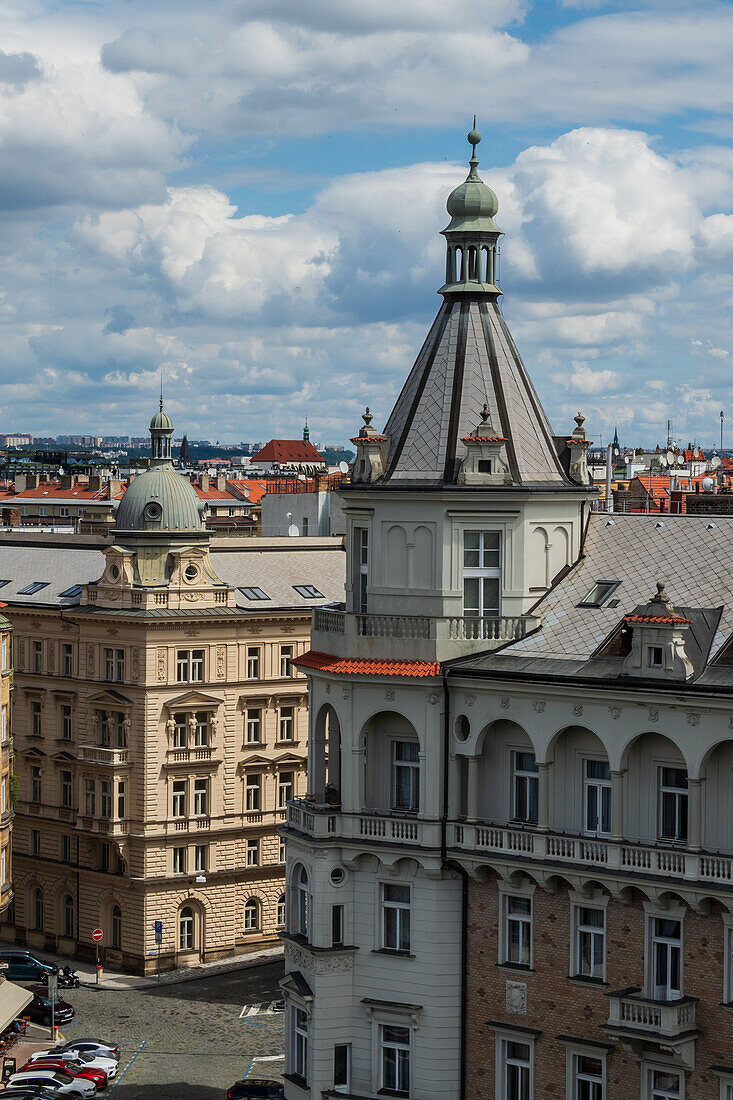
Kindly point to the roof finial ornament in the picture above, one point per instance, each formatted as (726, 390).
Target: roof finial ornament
(367, 416)
(485, 414)
(579, 419)
(474, 137)
(161, 391)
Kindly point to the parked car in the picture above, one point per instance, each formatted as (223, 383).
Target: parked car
(93, 1046)
(254, 1088)
(64, 1084)
(24, 966)
(108, 1066)
(40, 1008)
(73, 1067)
(29, 1092)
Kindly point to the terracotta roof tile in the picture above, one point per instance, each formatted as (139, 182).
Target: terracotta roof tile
(288, 450)
(666, 619)
(366, 666)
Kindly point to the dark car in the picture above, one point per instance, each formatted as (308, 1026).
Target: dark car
(40, 1008)
(24, 966)
(256, 1089)
(29, 1092)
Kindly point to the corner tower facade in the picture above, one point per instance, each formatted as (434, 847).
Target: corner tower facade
(460, 515)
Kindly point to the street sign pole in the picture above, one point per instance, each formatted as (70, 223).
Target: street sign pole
(97, 935)
(96, 980)
(53, 985)
(158, 929)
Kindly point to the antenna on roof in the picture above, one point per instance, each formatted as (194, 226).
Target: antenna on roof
(161, 391)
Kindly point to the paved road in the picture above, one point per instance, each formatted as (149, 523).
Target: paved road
(186, 1041)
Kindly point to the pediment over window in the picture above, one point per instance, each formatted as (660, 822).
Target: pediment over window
(194, 700)
(32, 752)
(110, 698)
(64, 756)
(289, 758)
(294, 982)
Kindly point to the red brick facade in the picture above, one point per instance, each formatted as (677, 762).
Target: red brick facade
(560, 1005)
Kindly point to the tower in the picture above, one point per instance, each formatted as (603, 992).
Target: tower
(460, 515)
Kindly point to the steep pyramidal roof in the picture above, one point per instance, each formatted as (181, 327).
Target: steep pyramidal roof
(468, 359)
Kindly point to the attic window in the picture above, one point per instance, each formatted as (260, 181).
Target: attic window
(654, 653)
(484, 465)
(599, 593)
(254, 593)
(75, 590)
(3, 583)
(308, 591)
(32, 588)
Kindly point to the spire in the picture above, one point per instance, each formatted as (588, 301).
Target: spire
(306, 431)
(161, 431)
(472, 235)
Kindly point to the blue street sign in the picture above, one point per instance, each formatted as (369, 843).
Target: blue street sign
(158, 926)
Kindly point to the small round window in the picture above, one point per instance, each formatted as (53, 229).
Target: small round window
(463, 728)
(191, 573)
(337, 876)
(153, 510)
(114, 572)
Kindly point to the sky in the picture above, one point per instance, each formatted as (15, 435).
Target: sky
(245, 197)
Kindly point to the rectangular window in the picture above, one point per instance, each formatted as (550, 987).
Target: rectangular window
(66, 789)
(2, 867)
(105, 799)
(337, 925)
(300, 1043)
(200, 797)
(281, 851)
(190, 666)
(36, 784)
(179, 797)
(597, 778)
(666, 961)
(66, 849)
(4, 652)
(590, 935)
(286, 724)
(481, 574)
(202, 861)
(252, 592)
(36, 718)
(38, 656)
(285, 784)
(66, 722)
(121, 800)
(342, 1067)
(286, 656)
(526, 787)
(4, 723)
(253, 789)
(35, 842)
(67, 655)
(672, 804)
(114, 664)
(253, 662)
(654, 656)
(308, 591)
(90, 797)
(599, 593)
(180, 730)
(517, 930)
(516, 1070)
(395, 917)
(406, 776)
(3, 794)
(201, 730)
(253, 853)
(664, 1084)
(394, 1057)
(254, 726)
(588, 1078)
(361, 569)
(179, 861)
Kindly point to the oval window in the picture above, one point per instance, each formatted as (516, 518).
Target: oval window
(191, 573)
(114, 572)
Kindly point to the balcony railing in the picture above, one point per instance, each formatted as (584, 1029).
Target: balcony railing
(640, 1019)
(98, 754)
(320, 822)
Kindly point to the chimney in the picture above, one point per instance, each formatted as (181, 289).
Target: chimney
(205, 482)
(31, 481)
(221, 482)
(67, 481)
(114, 485)
(20, 482)
(95, 482)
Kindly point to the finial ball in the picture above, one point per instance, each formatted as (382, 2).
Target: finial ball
(474, 137)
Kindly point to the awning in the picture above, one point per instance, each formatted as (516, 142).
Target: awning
(13, 999)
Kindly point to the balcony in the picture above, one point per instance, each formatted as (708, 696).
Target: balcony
(109, 757)
(636, 1022)
(104, 826)
(592, 852)
(328, 824)
(421, 637)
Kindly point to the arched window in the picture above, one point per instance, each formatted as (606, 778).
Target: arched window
(281, 911)
(116, 931)
(69, 916)
(185, 929)
(251, 915)
(302, 906)
(38, 909)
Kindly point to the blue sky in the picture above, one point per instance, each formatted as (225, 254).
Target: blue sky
(247, 196)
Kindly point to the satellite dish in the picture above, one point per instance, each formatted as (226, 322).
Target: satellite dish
(662, 461)
(344, 467)
(707, 484)
(716, 462)
(680, 460)
(670, 457)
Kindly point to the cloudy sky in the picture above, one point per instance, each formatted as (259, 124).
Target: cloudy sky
(246, 195)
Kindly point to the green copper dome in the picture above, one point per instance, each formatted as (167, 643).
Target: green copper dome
(161, 422)
(161, 499)
(472, 204)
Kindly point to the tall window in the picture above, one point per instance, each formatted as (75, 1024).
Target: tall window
(200, 797)
(69, 916)
(526, 787)
(36, 842)
(114, 664)
(516, 1070)
(201, 857)
(284, 789)
(66, 722)
(597, 797)
(201, 730)
(666, 961)
(517, 930)
(66, 788)
(253, 853)
(116, 928)
(66, 848)
(253, 662)
(3, 794)
(38, 910)
(185, 929)
(36, 718)
(36, 784)
(251, 915)
(122, 799)
(254, 726)
(3, 868)
(4, 652)
(300, 1043)
(590, 935)
(4, 723)
(180, 730)
(394, 1057)
(664, 1085)
(90, 797)
(67, 656)
(105, 799)
(361, 568)
(302, 902)
(286, 656)
(189, 666)
(587, 1078)
(286, 724)
(252, 792)
(672, 804)
(395, 917)
(281, 911)
(38, 656)
(481, 574)
(342, 1067)
(406, 776)
(179, 861)
(179, 797)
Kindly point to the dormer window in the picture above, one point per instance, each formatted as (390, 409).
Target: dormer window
(654, 656)
(599, 593)
(484, 466)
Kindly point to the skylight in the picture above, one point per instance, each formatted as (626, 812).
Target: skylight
(599, 593)
(3, 583)
(75, 590)
(308, 591)
(32, 588)
(254, 593)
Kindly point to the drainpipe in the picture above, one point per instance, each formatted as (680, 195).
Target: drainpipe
(451, 865)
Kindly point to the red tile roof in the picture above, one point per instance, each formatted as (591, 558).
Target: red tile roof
(213, 493)
(288, 450)
(366, 666)
(667, 620)
(253, 490)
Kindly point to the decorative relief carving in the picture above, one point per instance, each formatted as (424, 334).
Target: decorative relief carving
(255, 628)
(654, 714)
(693, 718)
(192, 597)
(192, 632)
(288, 628)
(328, 689)
(345, 693)
(538, 705)
(35, 624)
(516, 998)
(162, 661)
(432, 699)
(135, 663)
(389, 695)
(221, 662)
(113, 632)
(504, 702)
(578, 710)
(615, 712)
(91, 654)
(470, 700)
(317, 964)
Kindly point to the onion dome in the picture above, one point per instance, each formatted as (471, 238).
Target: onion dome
(472, 205)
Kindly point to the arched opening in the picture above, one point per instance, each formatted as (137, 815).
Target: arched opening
(656, 795)
(715, 791)
(459, 254)
(115, 938)
(507, 780)
(324, 752)
(393, 779)
(68, 916)
(580, 783)
(252, 915)
(38, 914)
(186, 929)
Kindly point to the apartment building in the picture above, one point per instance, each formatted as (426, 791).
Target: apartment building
(6, 765)
(160, 727)
(512, 873)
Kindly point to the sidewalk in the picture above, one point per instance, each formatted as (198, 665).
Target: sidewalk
(115, 979)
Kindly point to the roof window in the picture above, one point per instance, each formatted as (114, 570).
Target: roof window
(599, 593)
(32, 588)
(308, 591)
(75, 590)
(3, 583)
(254, 593)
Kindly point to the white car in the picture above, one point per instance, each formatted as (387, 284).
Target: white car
(54, 1079)
(90, 1060)
(93, 1047)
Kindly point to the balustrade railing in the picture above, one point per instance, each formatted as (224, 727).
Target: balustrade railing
(454, 627)
(99, 754)
(668, 1019)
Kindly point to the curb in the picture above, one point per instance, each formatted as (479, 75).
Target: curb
(194, 974)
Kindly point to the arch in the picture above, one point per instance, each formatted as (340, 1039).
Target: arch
(422, 558)
(299, 909)
(715, 773)
(396, 545)
(507, 784)
(252, 915)
(655, 782)
(324, 756)
(560, 552)
(392, 776)
(537, 558)
(186, 928)
(458, 265)
(579, 781)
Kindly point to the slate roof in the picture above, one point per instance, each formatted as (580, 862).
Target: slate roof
(469, 358)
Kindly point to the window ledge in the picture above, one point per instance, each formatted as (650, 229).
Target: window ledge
(392, 952)
(583, 980)
(522, 968)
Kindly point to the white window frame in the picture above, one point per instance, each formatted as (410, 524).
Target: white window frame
(600, 786)
(299, 1041)
(400, 1048)
(361, 569)
(728, 960)
(253, 852)
(527, 893)
(67, 722)
(254, 662)
(503, 1036)
(114, 664)
(573, 1052)
(253, 726)
(346, 1086)
(201, 797)
(414, 767)
(253, 792)
(286, 723)
(648, 1072)
(283, 784)
(725, 1076)
(652, 913)
(201, 857)
(190, 669)
(67, 659)
(179, 860)
(179, 798)
(529, 780)
(482, 572)
(578, 903)
(287, 654)
(678, 793)
(402, 911)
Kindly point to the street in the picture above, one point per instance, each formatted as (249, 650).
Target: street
(188, 1040)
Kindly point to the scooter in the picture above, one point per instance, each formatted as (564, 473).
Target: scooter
(68, 978)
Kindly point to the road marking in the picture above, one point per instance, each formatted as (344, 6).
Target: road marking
(245, 1075)
(268, 1058)
(129, 1064)
(261, 1008)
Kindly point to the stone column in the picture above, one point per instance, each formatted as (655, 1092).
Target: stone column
(472, 792)
(694, 814)
(617, 805)
(543, 797)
